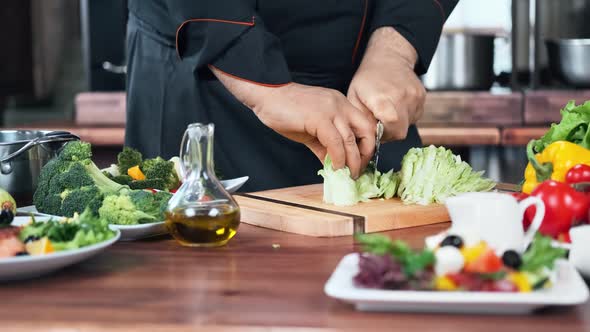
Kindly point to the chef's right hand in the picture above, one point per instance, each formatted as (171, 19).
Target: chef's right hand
(322, 119)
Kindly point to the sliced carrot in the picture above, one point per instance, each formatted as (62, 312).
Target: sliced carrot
(135, 173)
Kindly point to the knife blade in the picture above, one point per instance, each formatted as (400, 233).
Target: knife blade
(378, 136)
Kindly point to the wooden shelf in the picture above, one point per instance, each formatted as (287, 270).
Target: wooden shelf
(99, 136)
(460, 108)
(521, 136)
(460, 136)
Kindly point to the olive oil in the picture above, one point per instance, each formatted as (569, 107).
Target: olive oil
(201, 226)
(201, 213)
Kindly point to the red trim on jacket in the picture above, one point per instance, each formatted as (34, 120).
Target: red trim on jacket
(360, 35)
(249, 81)
(252, 23)
(442, 9)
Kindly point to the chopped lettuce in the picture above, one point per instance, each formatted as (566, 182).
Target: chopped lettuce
(428, 175)
(388, 183)
(340, 189)
(432, 174)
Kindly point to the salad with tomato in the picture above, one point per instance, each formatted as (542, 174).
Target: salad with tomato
(451, 265)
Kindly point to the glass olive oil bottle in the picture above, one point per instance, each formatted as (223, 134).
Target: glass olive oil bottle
(201, 213)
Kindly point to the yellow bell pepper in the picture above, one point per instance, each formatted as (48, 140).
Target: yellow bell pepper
(552, 163)
(521, 281)
(135, 173)
(444, 283)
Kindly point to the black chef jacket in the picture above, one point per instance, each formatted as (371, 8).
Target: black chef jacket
(172, 44)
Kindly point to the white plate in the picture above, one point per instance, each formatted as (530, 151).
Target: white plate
(232, 185)
(24, 267)
(128, 232)
(570, 289)
(136, 232)
(141, 231)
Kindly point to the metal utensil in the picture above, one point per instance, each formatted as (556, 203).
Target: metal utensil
(378, 136)
(463, 61)
(22, 155)
(569, 59)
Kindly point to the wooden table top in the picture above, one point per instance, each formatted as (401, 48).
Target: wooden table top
(156, 285)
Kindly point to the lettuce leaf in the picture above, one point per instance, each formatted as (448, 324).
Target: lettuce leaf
(341, 190)
(574, 127)
(431, 175)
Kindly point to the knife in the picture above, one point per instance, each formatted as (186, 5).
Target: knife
(378, 136)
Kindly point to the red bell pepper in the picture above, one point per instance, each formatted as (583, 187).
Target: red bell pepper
(577, 174)
(564, 207)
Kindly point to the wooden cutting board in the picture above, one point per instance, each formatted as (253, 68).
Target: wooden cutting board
(301, 210)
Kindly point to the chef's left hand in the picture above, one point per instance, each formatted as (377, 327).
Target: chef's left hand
(385, 83)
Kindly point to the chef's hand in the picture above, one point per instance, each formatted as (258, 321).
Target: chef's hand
(385, 83)
(322, 119)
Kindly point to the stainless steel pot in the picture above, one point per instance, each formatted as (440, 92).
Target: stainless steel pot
(22, 155)
(569, 60)
(463, 61)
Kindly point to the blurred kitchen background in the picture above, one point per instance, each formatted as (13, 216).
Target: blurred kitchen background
(501, 74)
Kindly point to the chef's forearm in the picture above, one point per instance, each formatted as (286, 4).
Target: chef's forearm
(419, 22)
(387, 43)
(249, 94)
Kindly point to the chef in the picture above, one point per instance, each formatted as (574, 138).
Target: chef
(285, 82)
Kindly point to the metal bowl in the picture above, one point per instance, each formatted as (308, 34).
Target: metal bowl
(569, 60)
(463, 61)
(22, 155)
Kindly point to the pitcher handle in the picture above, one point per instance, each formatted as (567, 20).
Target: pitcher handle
(182, 155)
(537, 220)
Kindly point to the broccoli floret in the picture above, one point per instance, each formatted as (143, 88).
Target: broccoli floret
(150, 203)
(120, 209)
(120, 179)
(128, 158)
(147, 184)
(75, 177)
(158, 168)
(123, 179)
(80, 199)
(71, 182)
(76, 151)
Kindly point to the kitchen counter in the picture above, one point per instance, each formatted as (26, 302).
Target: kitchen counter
(452, 136)
(157, 285)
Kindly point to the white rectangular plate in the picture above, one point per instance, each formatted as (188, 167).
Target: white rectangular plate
(570, 289)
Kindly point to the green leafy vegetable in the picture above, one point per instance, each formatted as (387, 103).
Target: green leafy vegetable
(433, 174)
(83, 230)
(128, 158)
(71, 182)
(340, 189)
(574, 127)
(541, 254)
(412, 261)
(120, 209)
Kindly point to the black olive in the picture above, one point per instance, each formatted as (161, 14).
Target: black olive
(6, 216)
(31, 238)
(22, 253)
(452, 240)
(512, 259)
